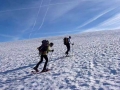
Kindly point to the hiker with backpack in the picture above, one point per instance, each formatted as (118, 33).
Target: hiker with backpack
(67, 43)
(43, 51)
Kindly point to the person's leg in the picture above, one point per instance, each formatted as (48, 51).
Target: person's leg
(45, 65)
(68, 48)
(37, 65)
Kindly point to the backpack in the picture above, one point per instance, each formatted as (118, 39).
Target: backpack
(44, 46)
(65, 40)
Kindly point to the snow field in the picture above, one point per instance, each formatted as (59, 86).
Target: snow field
(94, 64)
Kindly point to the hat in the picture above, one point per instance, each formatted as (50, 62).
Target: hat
(51, 44)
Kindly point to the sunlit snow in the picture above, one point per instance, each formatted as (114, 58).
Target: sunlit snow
(94, 63)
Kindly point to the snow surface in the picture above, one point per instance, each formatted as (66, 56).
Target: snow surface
(94, 64)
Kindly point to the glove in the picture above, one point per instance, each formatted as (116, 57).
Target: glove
(52, 50)
(72, 43)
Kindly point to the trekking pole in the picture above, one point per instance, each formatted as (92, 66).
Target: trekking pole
(72, 48)
(50, 55)
(50, 58)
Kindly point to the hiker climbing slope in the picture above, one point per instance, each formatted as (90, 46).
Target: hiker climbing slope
(67, 43)
(43, 51)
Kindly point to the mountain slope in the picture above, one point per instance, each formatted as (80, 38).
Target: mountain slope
(94, 64)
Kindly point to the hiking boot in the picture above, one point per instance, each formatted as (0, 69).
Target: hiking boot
(45, 70)
(36, 69)
(67, 55)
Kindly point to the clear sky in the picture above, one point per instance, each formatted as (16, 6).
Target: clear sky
(27, 19)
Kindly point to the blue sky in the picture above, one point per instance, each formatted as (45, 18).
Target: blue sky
(27, 19)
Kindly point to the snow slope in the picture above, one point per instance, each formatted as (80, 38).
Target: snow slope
(95, 64)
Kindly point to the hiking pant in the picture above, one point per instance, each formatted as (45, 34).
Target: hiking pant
(68, 48)
(41, 60)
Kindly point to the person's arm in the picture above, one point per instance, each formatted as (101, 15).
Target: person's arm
(70, 42)
(49, 50)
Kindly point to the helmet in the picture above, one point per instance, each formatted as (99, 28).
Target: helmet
(69, 36)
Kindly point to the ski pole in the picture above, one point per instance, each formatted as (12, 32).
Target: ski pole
(72, 48)
(50, 58)
(50, 55)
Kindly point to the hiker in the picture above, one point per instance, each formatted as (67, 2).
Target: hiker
(67, 43)
(43, 51)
